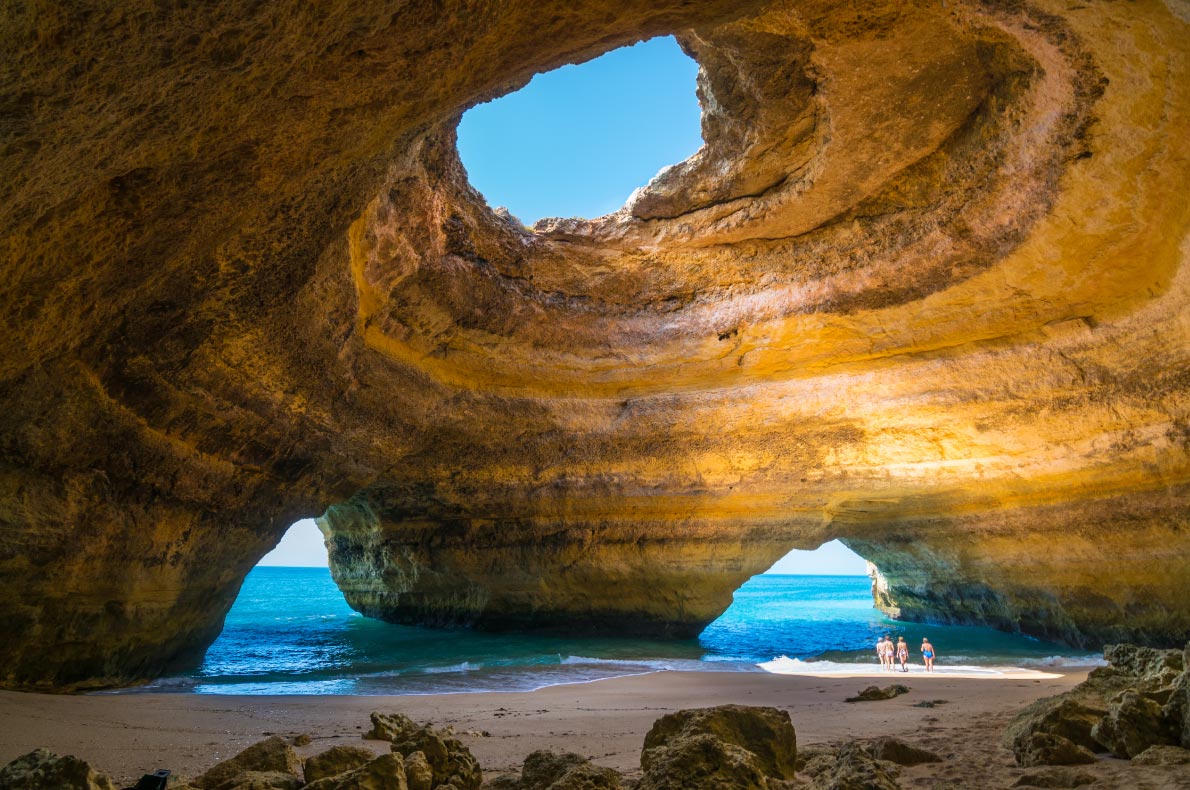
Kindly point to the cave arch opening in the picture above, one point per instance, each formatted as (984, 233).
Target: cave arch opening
(576, 141)
(809, 604)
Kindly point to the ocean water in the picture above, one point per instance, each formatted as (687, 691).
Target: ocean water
(291, 632)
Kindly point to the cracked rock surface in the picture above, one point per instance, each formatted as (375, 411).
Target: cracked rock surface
(923, 289)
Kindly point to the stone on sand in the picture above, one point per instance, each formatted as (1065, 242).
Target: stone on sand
(875, 693)
(337, 760)
(725, 746)
(895, 750)
(41, 769)
(273, 755)
(386, 772)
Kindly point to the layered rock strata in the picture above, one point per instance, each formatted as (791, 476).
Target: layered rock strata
(924, 289)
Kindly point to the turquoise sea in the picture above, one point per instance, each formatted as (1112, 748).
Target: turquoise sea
(291, 632)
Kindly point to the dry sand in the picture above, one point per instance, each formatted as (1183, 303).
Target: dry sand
(128, 734)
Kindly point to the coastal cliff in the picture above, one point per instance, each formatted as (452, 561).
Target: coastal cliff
(924, 289)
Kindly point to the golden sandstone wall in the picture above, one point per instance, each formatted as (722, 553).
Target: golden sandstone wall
(926, 288)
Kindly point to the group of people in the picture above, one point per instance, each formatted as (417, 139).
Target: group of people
(890, 653)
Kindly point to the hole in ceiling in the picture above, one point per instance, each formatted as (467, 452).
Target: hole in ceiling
(576, 141)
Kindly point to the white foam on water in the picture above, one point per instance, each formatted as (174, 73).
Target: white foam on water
(784, 665)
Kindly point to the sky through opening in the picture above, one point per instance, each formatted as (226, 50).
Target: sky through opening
(576, 141)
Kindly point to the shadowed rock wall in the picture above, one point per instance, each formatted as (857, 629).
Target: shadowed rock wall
(924, 288)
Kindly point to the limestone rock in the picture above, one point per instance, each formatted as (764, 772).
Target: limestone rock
(386, 772)
(336, 760)
(766, 733)
(387, 726)
(450, 762)
(1043, 748)
(895, 750)
(727, 746)
(419, 774)
(41, 769)
(271, 756)
(1056, 777)
(853, 768)
(1158, 667)
(260, 780)
(1133, 723)
(1055, 731)
(875, 693)
(1163, 755)
(544, 770)
(923, 288)
(1177, 707)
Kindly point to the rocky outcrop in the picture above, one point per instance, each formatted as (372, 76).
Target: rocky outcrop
(895, 750)
(923, 289)
(269, 763)
(335, 760)
(1126, 708)
(386, 772)
(44, 770)
(726, 746)
(429, 754)
(549, 771)
(852, 767)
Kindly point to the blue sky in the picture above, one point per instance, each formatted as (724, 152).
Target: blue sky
(576, 141)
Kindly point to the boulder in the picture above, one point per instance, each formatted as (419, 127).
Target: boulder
(451, 763)
(418, 773)
(386, 772)
(766, 733)
(41, 769)
(273, 755)
(502, 783)
(701, 762)
(261, 780)
(1177, 707)
(894, 750)
(875, 693)
(1146, 663)
(1065, 720)
(337, 760)
(386, 726)
(1133, 723)
(1056, 777)
(1163, 755)
(854, 768)
(1041, 748)
(545, 770)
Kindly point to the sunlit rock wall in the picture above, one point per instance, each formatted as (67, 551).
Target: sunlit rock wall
(925, 289)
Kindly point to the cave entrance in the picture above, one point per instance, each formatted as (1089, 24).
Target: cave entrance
(576, 141)
(289, 625)
(809, 604)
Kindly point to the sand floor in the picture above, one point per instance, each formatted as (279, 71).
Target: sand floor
(126, 735)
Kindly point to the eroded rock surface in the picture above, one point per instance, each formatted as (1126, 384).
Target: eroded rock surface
(924, 289)
(43, 770)
(1127, 708)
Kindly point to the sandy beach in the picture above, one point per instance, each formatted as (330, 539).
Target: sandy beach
(128, 734)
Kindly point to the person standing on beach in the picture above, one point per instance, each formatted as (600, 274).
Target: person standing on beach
(927, 654)
(884, 648)
(903, 653)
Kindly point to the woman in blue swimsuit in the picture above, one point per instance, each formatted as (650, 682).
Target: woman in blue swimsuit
(927, 653)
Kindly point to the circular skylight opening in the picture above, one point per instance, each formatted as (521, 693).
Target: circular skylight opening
(576, 141)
